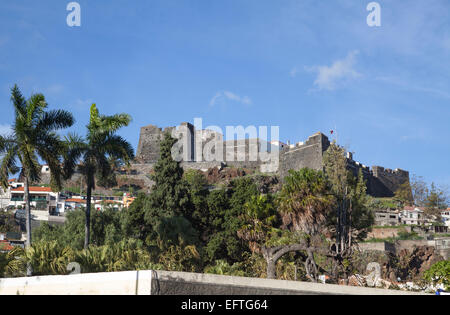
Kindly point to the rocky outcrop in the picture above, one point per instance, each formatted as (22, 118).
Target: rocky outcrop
(413, 263)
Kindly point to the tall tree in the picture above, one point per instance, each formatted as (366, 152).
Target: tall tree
(92, 153)
(34, 138)
(419, 190)
(436, 199)
(404, 194)
(260, 219)
(352, 218)
(304, 204)
(167, 205)
(169, 195)
(335, 165)
(226, 208)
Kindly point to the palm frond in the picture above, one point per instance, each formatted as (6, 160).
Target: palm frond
(113, 123)
(8, 165)
(118, 148)
(18, 101)
(35, 107)
(54, 120)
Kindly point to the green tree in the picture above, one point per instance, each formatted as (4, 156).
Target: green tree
(419, 190)
(404, 194)
(439, 273)
(260, 218)
(304, 201)
(436, 200)
(106, 229)
(226, 208)
(352, 218)
(304, 204)
(169, 198)
(34, 137)
(133, 219)
(197, 210)
(93, 152)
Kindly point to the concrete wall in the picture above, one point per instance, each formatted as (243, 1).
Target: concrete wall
(383, 233)
(113, 283)
(379, 246)
(173, 283)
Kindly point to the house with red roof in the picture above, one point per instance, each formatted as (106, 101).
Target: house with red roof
(41, 198)
(413, 216)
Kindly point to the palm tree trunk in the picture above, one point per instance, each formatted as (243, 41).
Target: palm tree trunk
(26, 197)
(88, 215)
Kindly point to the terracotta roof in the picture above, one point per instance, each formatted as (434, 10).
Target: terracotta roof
(76, 200)
(5, 246)
(12, 180)
(35, 189)
(413, 208)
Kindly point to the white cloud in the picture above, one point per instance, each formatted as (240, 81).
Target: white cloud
(220, 97)
(5, 130)
(330, 77)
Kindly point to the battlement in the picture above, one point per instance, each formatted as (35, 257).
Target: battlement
(378, 170)
(208, 146)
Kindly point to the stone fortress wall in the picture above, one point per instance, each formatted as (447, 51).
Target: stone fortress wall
(201, 149)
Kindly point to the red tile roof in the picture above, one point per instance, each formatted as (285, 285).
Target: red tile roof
(5, 246)
(76, 200)
(34, 189)
(408, 208)
(12, 180)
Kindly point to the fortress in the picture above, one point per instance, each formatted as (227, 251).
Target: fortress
(204, 149)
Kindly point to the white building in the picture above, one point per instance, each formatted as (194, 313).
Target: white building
(445, 214)
(5, 195)
(41, 198)
(103, 204)
(413, 216)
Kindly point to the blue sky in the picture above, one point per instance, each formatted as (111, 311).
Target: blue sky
(303, 65)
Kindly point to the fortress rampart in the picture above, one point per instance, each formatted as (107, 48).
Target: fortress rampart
(203, 149)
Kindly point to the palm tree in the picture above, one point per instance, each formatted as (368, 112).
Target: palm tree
(93, 152)
(304, 206)
(305, 201)
(34, 137)
(259, 218)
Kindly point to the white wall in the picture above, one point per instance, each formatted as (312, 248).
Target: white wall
(112, 283)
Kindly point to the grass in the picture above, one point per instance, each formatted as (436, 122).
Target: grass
(393, 227)
(402, 236)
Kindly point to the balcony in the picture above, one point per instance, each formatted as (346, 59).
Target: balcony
(31, 199)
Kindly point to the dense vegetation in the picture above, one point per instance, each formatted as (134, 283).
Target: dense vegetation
(183, 225)
(307, 228)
